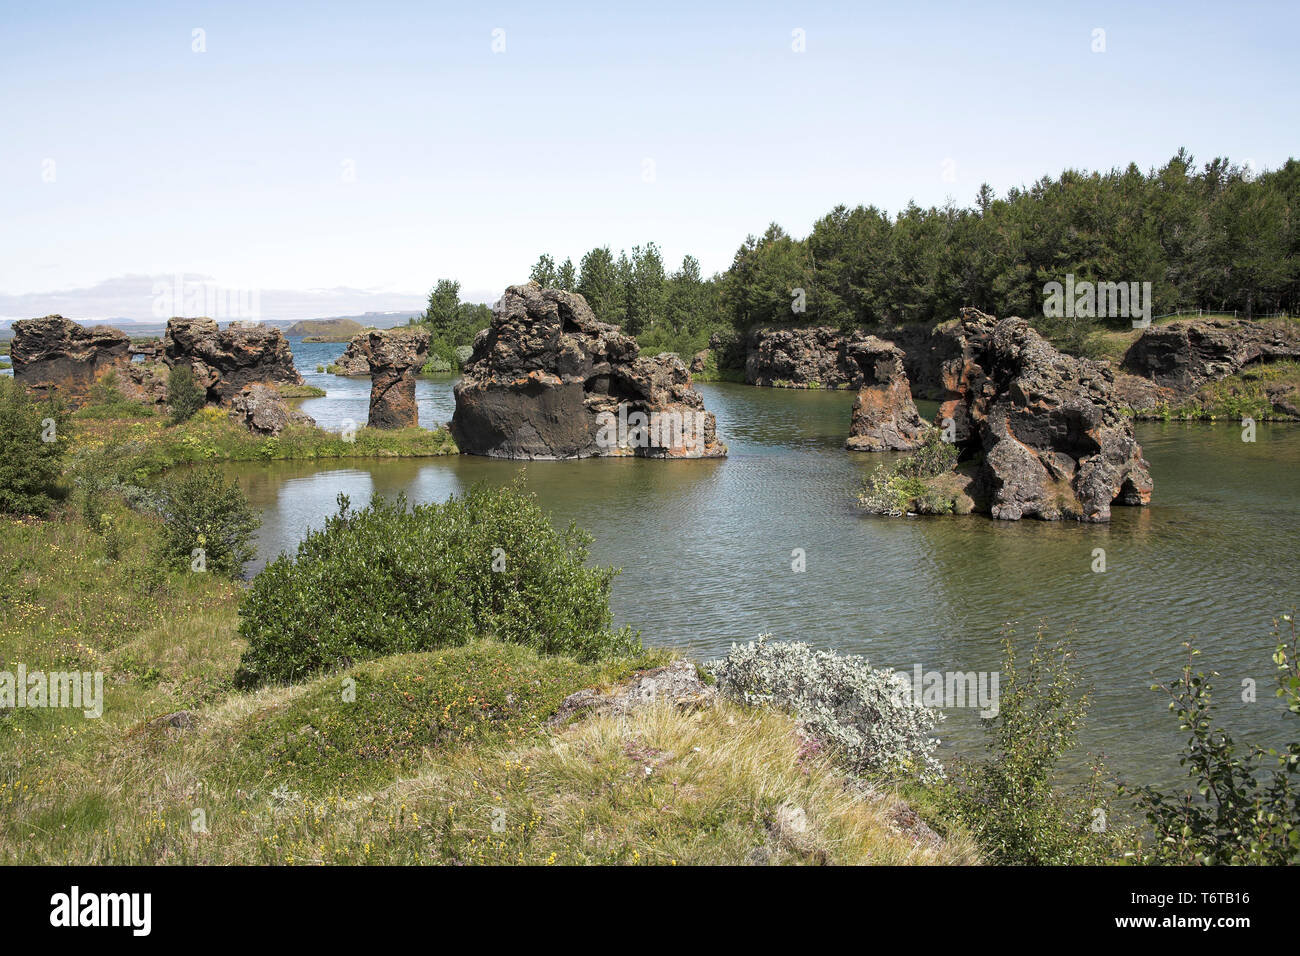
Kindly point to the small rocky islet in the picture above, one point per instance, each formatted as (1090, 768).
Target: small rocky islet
(1040, 433)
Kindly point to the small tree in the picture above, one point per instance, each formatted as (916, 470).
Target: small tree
(444, 305)
(208, 525)
(32, 442)
(1010, 802)
(1238, 811)
(184, 394)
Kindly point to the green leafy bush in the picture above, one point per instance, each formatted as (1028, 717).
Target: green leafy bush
(33, 439)
(184, 394)
(905, 486)
(1239, 811)
(207, 524)
(388, 580)
(1010, 803)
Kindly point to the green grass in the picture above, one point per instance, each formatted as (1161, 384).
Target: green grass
(146, 446)
(439, 757)
(1243, 395)
(720, 375)
(300, 391)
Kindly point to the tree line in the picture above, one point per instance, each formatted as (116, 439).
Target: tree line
(1219, 238)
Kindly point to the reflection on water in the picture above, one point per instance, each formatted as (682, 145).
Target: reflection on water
(705, 548)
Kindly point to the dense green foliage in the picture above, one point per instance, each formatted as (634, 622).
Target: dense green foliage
(388, 580)
(32, 442)
(668, 312)
(208, 524)
(452, 325)
(1245, 803)
(1010, 802)
(184, 394)
(1218, 238)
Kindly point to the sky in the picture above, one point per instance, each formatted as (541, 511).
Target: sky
(337, 158)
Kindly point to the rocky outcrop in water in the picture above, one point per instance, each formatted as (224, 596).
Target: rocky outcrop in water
(394, 357)
(262, 409)
(801, 358)
(54, 356)
(353, 361)
(225, 360)
(546, 380)
(884, 416)
(1183, 356)
(1054, 439)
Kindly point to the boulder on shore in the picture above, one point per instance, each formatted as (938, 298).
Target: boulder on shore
(264, 411)
(1054, 439)
(546, 380)
(394, 357)
(225, 360)
(884, 416)
(54, 356)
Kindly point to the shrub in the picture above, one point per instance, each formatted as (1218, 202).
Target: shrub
(1238, 810)
(106, 401)
(864, 714)
(33, 439)
(184, 394)
(201, 512)
(1009, 802)
(932, 459)
(904, 486)
(388, 580)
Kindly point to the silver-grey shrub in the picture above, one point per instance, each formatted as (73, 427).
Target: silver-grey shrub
(864, 714)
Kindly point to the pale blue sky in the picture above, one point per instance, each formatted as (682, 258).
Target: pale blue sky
(468, 163)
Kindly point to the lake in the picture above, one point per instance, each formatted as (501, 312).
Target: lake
(706, 551)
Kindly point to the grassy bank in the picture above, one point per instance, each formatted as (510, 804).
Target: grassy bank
(140, 441)
(1264, 392)
(438, 757)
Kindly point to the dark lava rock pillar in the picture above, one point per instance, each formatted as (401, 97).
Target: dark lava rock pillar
(395, 357)
(884, 416)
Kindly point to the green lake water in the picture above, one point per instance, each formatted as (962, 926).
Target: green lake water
(706, 552)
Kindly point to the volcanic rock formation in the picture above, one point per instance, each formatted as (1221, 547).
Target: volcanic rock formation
(547, 380)
(353, 361)
(394, 357)
(225, 360)
(1183, 356)
(55, 356)
(884, 416)
(264, 411)
(1054, 439)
